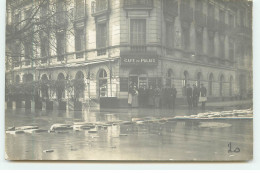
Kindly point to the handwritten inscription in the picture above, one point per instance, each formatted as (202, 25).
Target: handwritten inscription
(232, 150)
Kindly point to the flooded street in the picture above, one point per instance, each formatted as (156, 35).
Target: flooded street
(166, 141)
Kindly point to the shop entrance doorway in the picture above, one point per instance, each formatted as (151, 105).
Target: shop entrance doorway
(140, 81)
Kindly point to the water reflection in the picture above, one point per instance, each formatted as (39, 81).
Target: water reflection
(110, 140)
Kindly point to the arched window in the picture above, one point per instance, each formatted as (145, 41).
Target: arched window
(221, 81)
(17, 79)
(210, 84)
(102, 83)
(231, 86)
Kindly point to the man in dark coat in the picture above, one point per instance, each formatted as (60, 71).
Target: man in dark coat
(195, 96)
(189, 96)
(203, 93)
(173, 94)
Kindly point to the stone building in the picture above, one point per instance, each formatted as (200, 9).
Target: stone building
(82, 50)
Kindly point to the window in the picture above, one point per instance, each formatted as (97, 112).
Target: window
(242, 18)
(199, 42)
(44, 49)
(211, 44)
(79, 42)
(79, 4)
(199, 5)
(102, 83)
(60, 8)
(101, 37)
(231, 50)
(27, 15)
(199, 76)
(185, 82)
(60, 46)
(222, 47)
(44, 9)
(169, 37)
(138, 34)
(231, 20)
(211, 11)
(221, 15)
(17, 18)
(186, 38)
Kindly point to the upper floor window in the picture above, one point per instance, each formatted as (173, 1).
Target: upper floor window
(101, 37)
(199, 41)
(242, 18)
(211, 11)
(80, 8)
(60, 46)
(222, 15)
(222, 47)
(199, 5)
(44, 9)
(138, 34)
(231, 49)
(79, 42)
(44, 49)
(211, 44)
(186, 38)
(231, 20)
(169, 35)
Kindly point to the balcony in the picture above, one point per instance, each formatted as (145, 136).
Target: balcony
(186, 13)
(212, 24)
(99, 7)
(200, 18)
(170, 8)
(138, 4)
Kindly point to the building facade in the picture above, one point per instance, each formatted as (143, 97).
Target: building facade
(82, 50)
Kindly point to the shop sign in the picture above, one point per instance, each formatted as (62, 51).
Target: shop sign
(139, 61)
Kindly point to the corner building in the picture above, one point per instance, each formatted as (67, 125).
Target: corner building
(109, 43)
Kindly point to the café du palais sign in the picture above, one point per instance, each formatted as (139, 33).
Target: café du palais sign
(139, 59)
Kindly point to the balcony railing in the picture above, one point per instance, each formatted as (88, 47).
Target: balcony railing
(212, 23)
(138, 4)
(200, 18)
(186, 13)
(171, 7)
(99, 7)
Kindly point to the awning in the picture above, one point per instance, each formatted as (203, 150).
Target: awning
(78, 64)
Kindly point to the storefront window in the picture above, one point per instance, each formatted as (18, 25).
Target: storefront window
(102, 83)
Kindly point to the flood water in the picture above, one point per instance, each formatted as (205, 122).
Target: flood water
(175, 140)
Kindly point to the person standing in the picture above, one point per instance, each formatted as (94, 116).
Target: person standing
(189, 96)
(157, 96)
(130, 96)
(203, 97)
(173, 94)
(135, 97)
(151, 95)
(195, 96)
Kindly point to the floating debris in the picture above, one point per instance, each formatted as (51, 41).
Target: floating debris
(60, 127)
(214, 125)
(14, 132)
(123, 135)
(48, 151)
